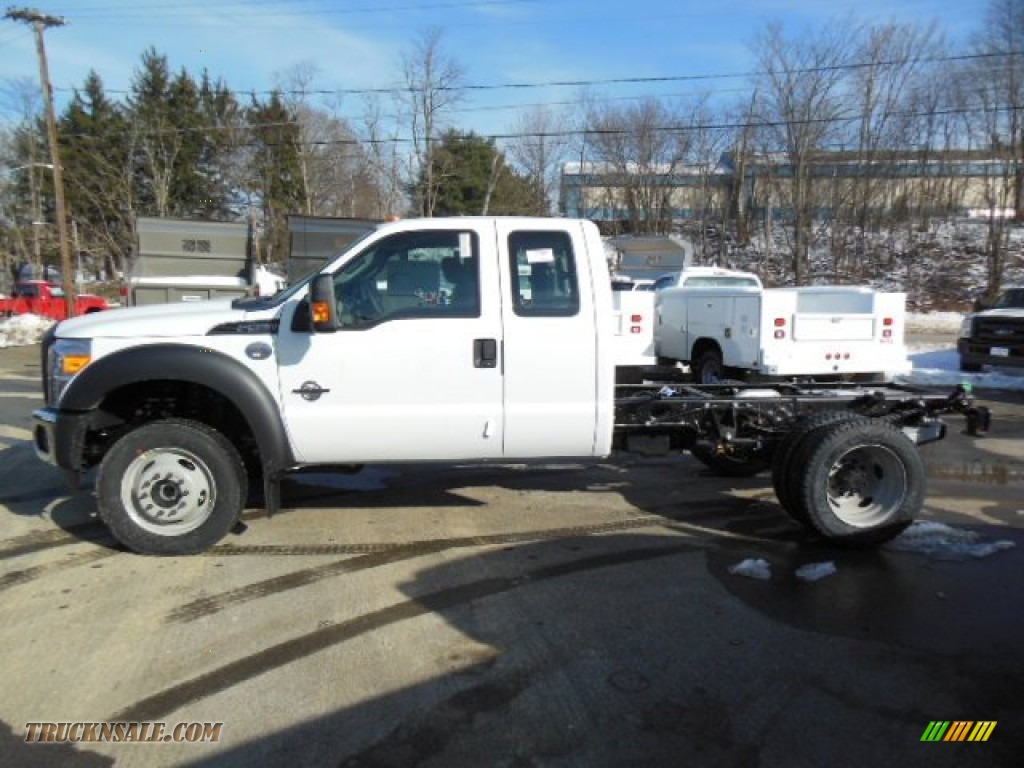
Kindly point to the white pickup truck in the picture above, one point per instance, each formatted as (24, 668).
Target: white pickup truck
(723, 324)
(994, 335)
(436, 340)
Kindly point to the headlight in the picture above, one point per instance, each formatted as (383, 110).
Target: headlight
(67, 357)
(965, 327)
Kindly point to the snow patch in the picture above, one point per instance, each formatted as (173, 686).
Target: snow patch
(944, 542)
(933, 322)
(938, 365)
(815, 571)
(752, 568)
(23, 330)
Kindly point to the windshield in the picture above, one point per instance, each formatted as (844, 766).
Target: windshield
(719, 281)
(1012, 299)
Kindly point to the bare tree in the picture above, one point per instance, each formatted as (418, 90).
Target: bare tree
(891, 61)
(638, 148)
(433, 86)
(800, 80)
(20, 98)
(994, 84)
(538, 149)
(384, 163)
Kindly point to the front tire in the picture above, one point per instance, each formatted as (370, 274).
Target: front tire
(171, 487)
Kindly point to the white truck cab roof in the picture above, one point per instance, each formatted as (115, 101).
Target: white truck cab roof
(708, 277)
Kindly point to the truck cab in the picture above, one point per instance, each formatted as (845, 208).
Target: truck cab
(457, 339)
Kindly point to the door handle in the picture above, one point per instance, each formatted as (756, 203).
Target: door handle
(485, 353)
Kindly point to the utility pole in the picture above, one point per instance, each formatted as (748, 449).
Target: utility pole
(41, 21)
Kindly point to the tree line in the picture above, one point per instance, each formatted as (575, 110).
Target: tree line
(183, 146)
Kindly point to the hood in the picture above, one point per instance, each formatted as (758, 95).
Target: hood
(1009, 312)
(155, 321)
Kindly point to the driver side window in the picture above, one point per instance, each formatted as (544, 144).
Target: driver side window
(412, 274)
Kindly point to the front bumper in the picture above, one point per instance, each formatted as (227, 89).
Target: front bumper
(976, 353)
(59, 437)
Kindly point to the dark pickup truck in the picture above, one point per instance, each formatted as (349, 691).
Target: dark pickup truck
(994, 336)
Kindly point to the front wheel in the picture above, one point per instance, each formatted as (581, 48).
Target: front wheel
(863, 482)
(171, 487)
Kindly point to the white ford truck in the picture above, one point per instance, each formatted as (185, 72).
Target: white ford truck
(436, 340)
(723, 323)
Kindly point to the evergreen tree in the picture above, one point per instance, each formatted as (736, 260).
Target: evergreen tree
(277, 178)
(154, 142)
(472, 178)
(96, 158)
(223, 135)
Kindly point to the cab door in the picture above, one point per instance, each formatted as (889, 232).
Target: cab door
(414, 373)
(551, 349)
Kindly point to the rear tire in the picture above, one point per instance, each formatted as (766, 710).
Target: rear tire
(863, 482)
(171, 487)
(784, 467)
(708, 367)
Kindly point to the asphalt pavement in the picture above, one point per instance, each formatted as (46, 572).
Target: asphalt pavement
(556, 614)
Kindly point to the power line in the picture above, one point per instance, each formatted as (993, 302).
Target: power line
(396, 89)
(564, 133)
(176, 8)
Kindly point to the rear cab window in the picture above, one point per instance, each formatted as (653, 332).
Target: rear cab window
(544, 278)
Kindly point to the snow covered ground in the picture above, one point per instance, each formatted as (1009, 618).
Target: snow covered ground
(23, 330)
(935, 364)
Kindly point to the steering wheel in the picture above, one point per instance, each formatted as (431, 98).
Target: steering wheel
(362, 301)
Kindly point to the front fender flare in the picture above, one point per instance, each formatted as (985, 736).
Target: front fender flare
(198, 365)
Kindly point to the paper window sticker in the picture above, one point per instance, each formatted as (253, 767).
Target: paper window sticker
(540, 256)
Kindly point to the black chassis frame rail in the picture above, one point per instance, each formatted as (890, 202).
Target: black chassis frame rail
(730, 416)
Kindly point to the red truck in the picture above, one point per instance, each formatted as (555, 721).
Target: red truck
(39, 297)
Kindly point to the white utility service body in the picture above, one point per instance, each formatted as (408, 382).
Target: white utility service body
(633, 332)
(817, 331)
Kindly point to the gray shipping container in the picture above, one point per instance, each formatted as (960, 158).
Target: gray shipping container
(315, 239)
(181, 260)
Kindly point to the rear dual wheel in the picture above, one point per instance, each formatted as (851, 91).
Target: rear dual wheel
(854, 480)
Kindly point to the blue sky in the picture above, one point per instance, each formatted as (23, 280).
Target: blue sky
(357, 44)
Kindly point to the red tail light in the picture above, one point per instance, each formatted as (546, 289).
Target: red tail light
(636, 318)
(780, 322)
